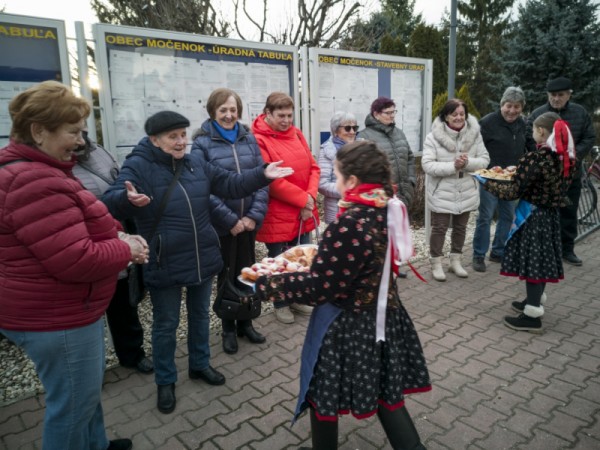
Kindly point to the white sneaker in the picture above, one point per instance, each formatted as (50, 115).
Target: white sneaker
(284, 315)
(305, 310)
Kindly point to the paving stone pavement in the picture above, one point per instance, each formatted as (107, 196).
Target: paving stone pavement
(493, 388)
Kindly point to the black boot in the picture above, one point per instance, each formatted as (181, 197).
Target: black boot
(524, 323)
(324, 433)
(253, 336)
(399, 429)
(166, 398)
(519, 306)
(230, 344)
(120, 444)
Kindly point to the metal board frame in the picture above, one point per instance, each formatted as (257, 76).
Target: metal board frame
(384, 68)
(32, 49)
(196, 56)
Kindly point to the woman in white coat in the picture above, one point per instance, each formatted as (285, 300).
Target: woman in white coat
(452, 150)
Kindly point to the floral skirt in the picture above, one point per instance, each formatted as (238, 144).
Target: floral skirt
(534, 252)
(354, 374)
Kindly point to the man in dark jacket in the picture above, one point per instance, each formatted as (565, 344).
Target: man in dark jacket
(504, 136)
(582, 129)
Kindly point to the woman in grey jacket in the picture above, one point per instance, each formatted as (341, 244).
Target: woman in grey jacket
(343, 130)
(380, 127)
(452, 149)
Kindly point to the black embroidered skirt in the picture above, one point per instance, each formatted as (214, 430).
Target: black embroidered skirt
(354, 374)
(534, 252)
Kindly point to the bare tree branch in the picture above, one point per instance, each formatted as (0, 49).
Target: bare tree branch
(315, 22)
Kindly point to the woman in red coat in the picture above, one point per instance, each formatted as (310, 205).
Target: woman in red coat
(60, 255)
(292, 211)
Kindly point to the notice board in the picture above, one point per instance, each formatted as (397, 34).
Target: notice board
(144, 71)
(32, 50)
(350, 81)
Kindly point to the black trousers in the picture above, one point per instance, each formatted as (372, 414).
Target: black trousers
(245, 257)
(568, 217)
(125, 327)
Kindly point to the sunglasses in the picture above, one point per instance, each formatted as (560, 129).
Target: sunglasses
(348, 128)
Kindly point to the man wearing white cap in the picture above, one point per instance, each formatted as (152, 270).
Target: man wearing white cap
(579, 120)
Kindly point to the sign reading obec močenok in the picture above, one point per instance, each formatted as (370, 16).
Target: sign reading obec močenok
(350, 81)
(145, 71)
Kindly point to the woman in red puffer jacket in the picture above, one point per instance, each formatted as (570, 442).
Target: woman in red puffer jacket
(60, 254)
(292, 211)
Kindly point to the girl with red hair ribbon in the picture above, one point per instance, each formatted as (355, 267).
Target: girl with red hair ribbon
(533, 248)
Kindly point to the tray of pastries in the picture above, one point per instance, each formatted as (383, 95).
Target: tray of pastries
(295, 259)
(497, 173)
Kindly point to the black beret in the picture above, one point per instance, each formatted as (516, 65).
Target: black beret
(165, 121)
(559, 84)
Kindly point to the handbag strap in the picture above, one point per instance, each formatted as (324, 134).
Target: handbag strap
(232, 256)
(317, 234)
(164, 200)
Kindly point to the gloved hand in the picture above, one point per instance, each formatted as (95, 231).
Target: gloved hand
(480, 179)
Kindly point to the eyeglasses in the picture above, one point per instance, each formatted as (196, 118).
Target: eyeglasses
(348, 128)
(390, 113)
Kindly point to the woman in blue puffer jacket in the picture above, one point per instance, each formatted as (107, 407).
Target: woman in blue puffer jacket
(223, 141)
(184, 246)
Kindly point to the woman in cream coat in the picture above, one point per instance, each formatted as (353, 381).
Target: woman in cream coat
(452, 150)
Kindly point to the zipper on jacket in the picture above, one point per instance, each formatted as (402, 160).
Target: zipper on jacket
(158, 249)
(239, 170)
(187, 199)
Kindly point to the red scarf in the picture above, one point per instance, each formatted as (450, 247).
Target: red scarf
(370, 194)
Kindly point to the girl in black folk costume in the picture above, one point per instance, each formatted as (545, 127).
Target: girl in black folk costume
(533, 249)
(355, 359)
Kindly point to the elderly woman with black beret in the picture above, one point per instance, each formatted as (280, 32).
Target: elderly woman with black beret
(167, 192)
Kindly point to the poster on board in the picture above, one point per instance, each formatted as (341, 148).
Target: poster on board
(350, 81)
(32, 50)
(144, 71)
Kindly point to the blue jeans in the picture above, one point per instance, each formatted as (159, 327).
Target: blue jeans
(277, 248)
(166, 305)
(70, 364)
(506, 212)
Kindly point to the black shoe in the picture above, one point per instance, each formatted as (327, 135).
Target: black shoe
(120, 444)
(524, 323)
(571, 258)
(479, 264)
(166, 398)
(253, 336)
(402, 274)
(230, 344)
(495, 258)
(144, 365)
(210, 375)
(519, 306)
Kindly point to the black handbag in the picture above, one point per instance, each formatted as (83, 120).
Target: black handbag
(137, 290)
(235, 300)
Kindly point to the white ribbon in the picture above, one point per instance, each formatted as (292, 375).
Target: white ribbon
(382, 296)
(400, 243)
